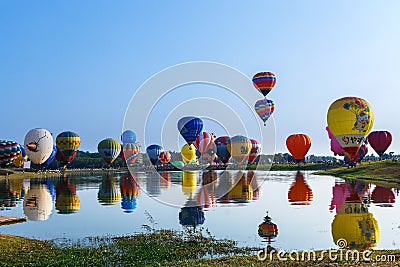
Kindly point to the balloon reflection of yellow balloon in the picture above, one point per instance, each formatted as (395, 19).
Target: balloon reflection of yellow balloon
(188, 154)
(242, 190)
(37, 203)
(355, 225)
(68, 204)
(109, 192)
(189, 182)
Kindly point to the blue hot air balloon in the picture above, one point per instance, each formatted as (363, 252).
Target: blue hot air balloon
(153, 152)
(190, 128)
(128, 136)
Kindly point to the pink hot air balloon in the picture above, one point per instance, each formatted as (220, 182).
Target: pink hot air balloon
(335, 146)
(380, 141)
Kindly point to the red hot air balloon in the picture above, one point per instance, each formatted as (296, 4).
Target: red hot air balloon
(298, 145)
(380, 141)
(164, 157)
(264, 82)
(254, 151)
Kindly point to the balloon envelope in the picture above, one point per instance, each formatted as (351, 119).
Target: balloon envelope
(239, 147)
(335, 146)
(164, 157)
(109, 149)
(153, 152)
(222, 148)
(128, 136)
(190, 128)
(380, 141)
(188, 154)
(255, 150)
(9, 152)
(298, 145)
(264, 109)
(38, 145)
(264, 82)
(52, 156)
(68, 141)
(204, 141)
(350, 119)
(130, 152)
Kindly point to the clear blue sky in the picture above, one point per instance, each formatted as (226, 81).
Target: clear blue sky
(74, 65)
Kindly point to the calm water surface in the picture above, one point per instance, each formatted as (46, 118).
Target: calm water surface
(310, 211)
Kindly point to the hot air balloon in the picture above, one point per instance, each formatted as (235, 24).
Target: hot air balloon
(190, 128)
(22, 157)
(354, 227)
(178, 164)
(50, 159)
(350, 119)
(300, 193)
(109, 149)
(65, 158)
(361, 153)
(267, 229)
(128, 136)
(335, 146)
(222, 148)
(298, 145)
(9, 152)
(264, 108)
(130, 152)
(188, 154)
(239, 147)
(153, 152)
(264, 82)
(203, 142)
(68, 141)
(380, 141)
(164, 157)
(254, 151)
(38, 145)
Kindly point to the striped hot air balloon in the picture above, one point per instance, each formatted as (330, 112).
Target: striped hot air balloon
(164, 157)
(264, 108)
(264, 82)
(109, 149)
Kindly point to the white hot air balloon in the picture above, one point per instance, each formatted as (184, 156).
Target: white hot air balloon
(38, 145)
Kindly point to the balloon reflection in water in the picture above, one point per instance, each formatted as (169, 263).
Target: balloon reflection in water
(300, 193)
(241, 191)
(267, 229)
(153, 184)
(9, 195)
(189, 182)
(130, 190)
(191, 214)
(165, 179)
(205, 196)
(109, 193)
(355, 224)
(66, 199)
(382, 196)
(37, 202)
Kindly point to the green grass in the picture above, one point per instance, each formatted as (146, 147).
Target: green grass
(384, 172)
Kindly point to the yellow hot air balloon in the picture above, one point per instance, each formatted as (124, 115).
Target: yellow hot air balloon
(350, 119)
(188, 153)
(239, 147)
(354, 227)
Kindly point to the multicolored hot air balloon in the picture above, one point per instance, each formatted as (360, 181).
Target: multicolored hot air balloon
(264, 108)
(153, 152)
(222, 148)
(65, 158)
(350, 119)
(239, 147)
(9, 152)
(38, 145)
(130, 152)
(204, 141)
(380, 141)
(188, 153)
(190, 128)
(128, 136)
(164, 157)
(68, 141)
(298, 145)
(254, 151)
(264, 82)
(335, 146)
(109, 149)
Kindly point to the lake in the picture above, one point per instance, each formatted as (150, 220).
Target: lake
(310, 211)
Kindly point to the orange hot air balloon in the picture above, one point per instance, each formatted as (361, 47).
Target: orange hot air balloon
(300, 193)
(298, 145)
